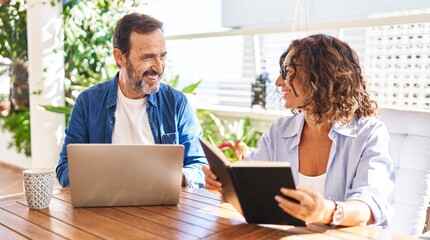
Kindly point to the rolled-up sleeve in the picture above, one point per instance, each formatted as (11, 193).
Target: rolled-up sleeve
(374, 178)
(194, 158)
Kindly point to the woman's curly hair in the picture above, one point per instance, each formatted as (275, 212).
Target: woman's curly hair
(330, 74)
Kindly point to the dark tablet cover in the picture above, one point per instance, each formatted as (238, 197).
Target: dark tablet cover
(251, 186)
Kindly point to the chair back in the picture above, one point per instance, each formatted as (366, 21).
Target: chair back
(410, 149)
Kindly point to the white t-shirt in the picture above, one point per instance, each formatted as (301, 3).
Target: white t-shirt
(131, 121)
(315, 182)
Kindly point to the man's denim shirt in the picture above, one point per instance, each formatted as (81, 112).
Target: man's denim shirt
(170, 116)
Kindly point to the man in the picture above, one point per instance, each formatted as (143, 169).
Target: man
(134, 107)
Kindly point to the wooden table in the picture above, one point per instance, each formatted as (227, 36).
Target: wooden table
(199, 215)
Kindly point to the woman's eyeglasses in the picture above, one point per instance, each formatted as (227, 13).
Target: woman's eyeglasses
(284, 71)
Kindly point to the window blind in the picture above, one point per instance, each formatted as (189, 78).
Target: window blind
(225, 65)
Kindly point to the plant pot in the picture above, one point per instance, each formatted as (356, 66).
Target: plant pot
(19, 85)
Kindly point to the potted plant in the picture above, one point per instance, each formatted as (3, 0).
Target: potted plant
(236, 139)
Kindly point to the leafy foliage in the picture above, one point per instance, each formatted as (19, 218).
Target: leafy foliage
(13, 30)
(190, 88)
(219, 132)
(88, 28)
(13, 48)
(174, 82)
(18, 123)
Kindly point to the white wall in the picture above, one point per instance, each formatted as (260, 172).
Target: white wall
(257, 13)
(187, 16)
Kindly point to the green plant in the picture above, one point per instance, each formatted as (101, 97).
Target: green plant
(228, 136)
(13, 47)
(174, 82)
(88, 32)
(19, 125)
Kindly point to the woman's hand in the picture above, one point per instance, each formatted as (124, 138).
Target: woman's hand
(312, 206)
(211, 183)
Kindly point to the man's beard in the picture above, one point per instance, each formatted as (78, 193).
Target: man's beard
(138, 84)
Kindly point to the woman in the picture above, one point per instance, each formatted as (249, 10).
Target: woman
(338, 152)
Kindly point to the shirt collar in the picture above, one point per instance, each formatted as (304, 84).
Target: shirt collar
(113, 92)
(151, 98)
(295, 127)
(349, 131)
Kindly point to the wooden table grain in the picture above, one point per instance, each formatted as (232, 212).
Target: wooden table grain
(199, 215)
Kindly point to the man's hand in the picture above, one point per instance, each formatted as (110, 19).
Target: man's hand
(240, 149)
(211, 183)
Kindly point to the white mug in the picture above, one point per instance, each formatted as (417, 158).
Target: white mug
(38, 186)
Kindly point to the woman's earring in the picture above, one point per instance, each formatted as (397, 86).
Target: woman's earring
(313, 86)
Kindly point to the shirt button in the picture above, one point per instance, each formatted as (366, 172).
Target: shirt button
(110, 121)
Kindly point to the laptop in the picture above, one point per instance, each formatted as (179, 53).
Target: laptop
(125, 175)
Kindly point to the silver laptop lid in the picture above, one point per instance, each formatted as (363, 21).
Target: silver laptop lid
(124, 175)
